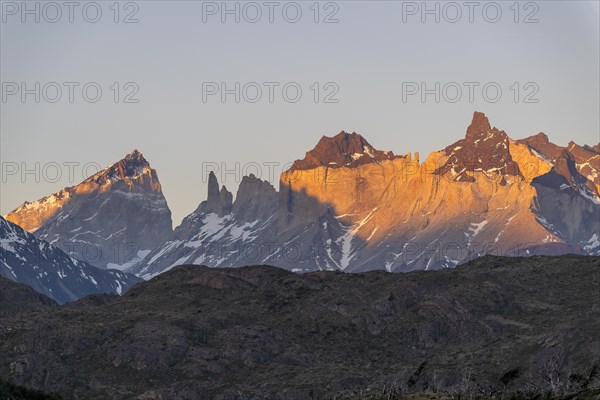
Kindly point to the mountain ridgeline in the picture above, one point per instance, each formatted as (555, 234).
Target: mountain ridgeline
(348, 206)
(345, 206)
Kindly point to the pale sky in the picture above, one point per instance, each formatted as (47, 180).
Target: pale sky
(368, 56)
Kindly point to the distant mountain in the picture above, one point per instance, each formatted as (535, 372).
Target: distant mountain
(111, 220)
(503, 325)
(221, 232)
(577, 166)
(349, 206)
(567, 200)
(31, 261)
(476, 196)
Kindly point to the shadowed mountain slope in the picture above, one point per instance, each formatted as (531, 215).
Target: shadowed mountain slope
(26, 259)
(110, 220)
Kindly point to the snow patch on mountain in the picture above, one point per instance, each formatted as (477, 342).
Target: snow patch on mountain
(345, 242)
(26, 259)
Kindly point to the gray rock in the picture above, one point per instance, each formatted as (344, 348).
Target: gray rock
(110, 220)
(31, 261)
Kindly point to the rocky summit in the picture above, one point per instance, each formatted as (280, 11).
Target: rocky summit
(496, 327)
(484, 149)
(110, 220)
(348, 206)
(342, 150)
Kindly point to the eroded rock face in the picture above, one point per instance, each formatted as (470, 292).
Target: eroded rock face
(480, 195)
(110, 220)
(348, 206)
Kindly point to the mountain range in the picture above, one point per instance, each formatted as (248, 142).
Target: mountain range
(345, 206)
(348, 206)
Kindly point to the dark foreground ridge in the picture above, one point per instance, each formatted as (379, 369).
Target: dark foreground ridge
(495, 325)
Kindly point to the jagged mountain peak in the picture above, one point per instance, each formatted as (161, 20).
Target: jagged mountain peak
(342, 150)
(480, 124)
(370, 216)
(541, 137)
(135, 154)
(132, 160)
(352, 139)
(213, 184)
(252, 187)
(484, 149)
(218, 201)
(480, 130)
(132, 166)
(133, 170)
(115, 205)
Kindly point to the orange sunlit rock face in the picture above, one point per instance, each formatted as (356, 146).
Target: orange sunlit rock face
(348, 206)
(478, 187)
(30, 216)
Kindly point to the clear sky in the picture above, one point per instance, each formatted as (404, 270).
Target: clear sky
(369, 57)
